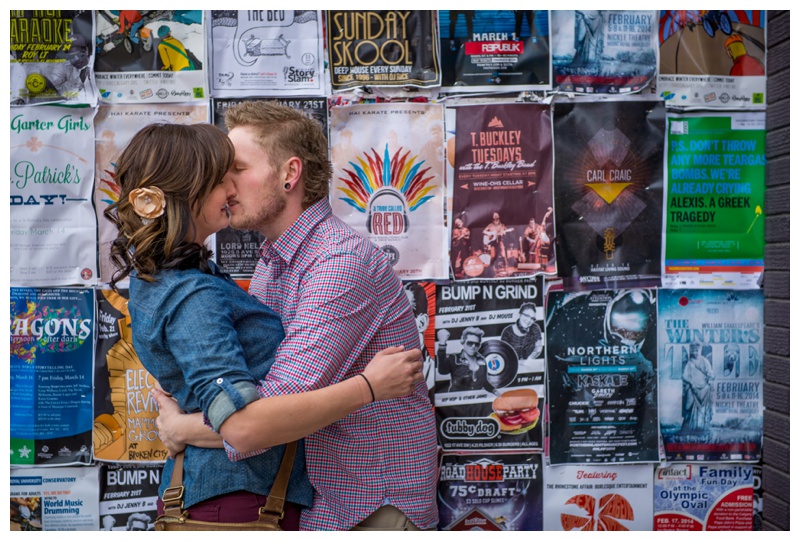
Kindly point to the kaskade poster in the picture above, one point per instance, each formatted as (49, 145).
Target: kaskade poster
(609, 192)
(601, 373)
(711, 376)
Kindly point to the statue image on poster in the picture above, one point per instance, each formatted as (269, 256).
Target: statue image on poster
(713, 58)
(600, 51)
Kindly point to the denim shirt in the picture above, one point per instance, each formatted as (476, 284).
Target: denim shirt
(209, 343)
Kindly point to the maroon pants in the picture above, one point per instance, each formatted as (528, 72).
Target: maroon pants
(240, 506)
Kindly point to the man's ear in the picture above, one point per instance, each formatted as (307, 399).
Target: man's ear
(422, 322)
(292, 171)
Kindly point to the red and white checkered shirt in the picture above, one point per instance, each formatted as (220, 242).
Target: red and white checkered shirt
(341, 303)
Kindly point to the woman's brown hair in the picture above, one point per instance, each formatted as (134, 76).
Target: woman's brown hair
(186, 162)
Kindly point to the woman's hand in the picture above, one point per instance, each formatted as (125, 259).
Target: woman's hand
(394, 372)
(168, 421)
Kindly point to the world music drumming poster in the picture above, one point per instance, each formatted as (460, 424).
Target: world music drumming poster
(395, 48)
(235, 250)
(604, 52)
(602, 376)
(62, 499)
(501, 50)
(266, 52)
(489, 380)
(598, 498)
(128, 496)
(609, 189)
(714, 204)
(52, 358)
(124, 411)
(713, 58)
(52, 57)
(703, 497)
(490, 492)
(150, 56)
(115, 126)
(53, 226)
(503, 223)
(711, 376)
(388, 182)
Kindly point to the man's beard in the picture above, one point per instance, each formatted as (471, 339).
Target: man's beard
(273, 206)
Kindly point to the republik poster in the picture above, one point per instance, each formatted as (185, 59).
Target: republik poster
(711, 376)
(609, 192)
(601, 373)
(52, 360)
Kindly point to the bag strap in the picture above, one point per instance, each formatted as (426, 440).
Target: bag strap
(272, 511)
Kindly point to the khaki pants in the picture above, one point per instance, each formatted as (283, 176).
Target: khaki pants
(386, 518)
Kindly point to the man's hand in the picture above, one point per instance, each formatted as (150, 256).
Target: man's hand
(394, 372)
(443, 336)
(168, 421)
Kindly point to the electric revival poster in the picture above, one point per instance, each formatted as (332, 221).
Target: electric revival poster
(53, 226)
(502, 191)
(711, 376)
(266, 51)
(388, 182)
(150, 56)
(52, 358)
(713, 58)
(609, 192)
(714, 203)
(52, 57)
(489, 380)
(501, 50)
(604, 52)
(382, 48)
(601, 373)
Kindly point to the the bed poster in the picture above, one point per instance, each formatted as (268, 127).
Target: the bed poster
(388, 182)
(609, 192)
(713, 58)
(502, 192)
(490, 492)
(115, 126)
(490, 365)
(714, 202)
(266, 52)
(703, 497)
(711, 376)
(52, 358)
(128, 495)
(601, 373)
(609, 498)
(382, 48)
(602, 51)
(150, 56)
(501, 50)
(124, 412)
(53, 227)
(235, 250)
(54, 499)
(52, 57)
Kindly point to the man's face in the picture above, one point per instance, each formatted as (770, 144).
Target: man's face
(472, 344)
(495, 217)
(259, 198)
(458, 223)
(526, 319)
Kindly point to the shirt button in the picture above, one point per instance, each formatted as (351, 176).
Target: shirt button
(219, 381)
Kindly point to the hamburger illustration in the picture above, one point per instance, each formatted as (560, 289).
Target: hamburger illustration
(516, 411)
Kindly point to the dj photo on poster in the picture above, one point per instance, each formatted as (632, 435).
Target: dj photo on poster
(154, 56)
(716, 170)
(52, 57)
(382, 48)
(601, 373)
(489, 378)
(388, 182)
(713, 58)
(502, 191)
(52, 354)
(54, 499)
(266, 51)
(599, 51)
(506, 50)
(703, 497)
(711, 377)
(609, 192)
(128, 495)
(501, 492)
(53, 226)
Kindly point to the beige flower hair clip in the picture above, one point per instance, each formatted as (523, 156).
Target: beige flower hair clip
(148, 203)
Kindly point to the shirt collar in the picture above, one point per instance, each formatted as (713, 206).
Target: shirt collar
(289, 242)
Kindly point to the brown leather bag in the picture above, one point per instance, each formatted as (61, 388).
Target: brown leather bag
(175, 518)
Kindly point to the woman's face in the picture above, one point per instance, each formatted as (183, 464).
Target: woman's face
(213, 215)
